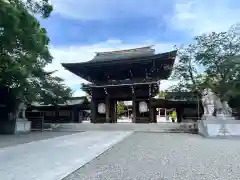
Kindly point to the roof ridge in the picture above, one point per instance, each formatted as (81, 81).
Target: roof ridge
(124, 50)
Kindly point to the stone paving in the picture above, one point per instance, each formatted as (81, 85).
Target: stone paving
(158, 156)
(54, 159)
(11, 140)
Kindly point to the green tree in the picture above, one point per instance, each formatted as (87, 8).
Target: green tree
(216, 54)
(120, 109)
(86, 88)
(54, 91)
(186, 69)
(24, 51)
(162, 94)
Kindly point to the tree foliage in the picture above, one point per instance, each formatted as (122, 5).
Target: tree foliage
(86, 88)
(24, 51)
(53, 91)
(120, 109)
(162, 94)
(211, 61)
(185, 71)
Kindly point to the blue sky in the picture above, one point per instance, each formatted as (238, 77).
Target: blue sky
(79, 28)
(113, 21)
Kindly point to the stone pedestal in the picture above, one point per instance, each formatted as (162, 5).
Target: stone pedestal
(222, 125)
(22, 126)
(14, 127)
(219, 128)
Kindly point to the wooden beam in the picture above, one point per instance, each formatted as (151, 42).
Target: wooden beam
(150, 90)
(133, 91)
(126, 84)
(93, 110)
(134, 109)
(131, 74)
(108, 109)
(105, 90)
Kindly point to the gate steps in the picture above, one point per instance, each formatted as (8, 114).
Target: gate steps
(153, 127)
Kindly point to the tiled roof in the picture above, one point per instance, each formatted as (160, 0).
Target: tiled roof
(70, 102)
(124, 54)
(110, 61)
(182, 94)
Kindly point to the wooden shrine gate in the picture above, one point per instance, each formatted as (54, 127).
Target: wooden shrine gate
(104, 102)
(122, 76)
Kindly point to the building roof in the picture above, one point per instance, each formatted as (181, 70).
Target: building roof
(181, 94)
(124, 54)
(104, 58)
(125, 64)
(71, 102)
(166, 103)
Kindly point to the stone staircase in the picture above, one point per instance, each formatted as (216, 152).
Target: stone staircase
(152, 127)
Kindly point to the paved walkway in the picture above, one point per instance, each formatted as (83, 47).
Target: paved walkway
(11, 140)
(53, 159)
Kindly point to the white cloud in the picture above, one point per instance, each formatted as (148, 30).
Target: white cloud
(108, 9)
(204, 16)
(194, 16)
(84, 53)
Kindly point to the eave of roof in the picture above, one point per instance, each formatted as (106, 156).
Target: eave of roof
(87, 70)
(181, 94)
(70, 102)
(159, 57)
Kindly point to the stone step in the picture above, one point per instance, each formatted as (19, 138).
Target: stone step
(163, 127)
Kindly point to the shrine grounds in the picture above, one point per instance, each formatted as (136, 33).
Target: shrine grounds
(119, 156)
(156, 156)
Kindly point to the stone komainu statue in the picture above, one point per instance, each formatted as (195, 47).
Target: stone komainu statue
(208, 102)
(20, 113)
(212, 104)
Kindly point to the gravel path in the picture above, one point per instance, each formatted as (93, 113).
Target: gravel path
(156, 156)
